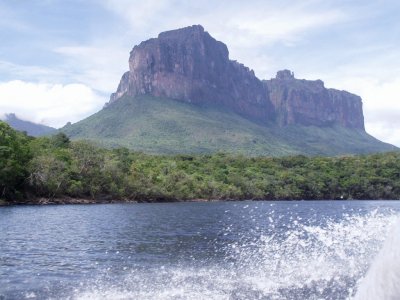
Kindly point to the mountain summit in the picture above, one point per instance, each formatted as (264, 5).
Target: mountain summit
(191, 66)
(211, 103)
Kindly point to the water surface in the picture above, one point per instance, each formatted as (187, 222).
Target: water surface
(216, 250)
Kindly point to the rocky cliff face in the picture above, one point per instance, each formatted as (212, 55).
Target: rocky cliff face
(308, 102)
(189, 65)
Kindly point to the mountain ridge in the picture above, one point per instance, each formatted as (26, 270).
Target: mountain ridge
(182, 94)
(189, 65)
(31, 128)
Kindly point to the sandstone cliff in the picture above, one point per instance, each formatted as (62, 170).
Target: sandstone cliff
(308, 102)
(189, 65)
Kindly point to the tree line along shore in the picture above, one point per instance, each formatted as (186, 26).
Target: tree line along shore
(57, 170)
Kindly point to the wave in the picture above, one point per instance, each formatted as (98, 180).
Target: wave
(294, 261)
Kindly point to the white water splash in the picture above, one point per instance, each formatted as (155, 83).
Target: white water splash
(302, 262)
(382, 281)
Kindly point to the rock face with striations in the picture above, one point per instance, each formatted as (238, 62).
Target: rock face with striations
(308, 102)
(189, 65)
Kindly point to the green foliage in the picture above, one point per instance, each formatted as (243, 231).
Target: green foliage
(14, 155)
(54, 167)
(60, 140)
(49, 175)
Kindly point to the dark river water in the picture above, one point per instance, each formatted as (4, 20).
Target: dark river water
(215, 250)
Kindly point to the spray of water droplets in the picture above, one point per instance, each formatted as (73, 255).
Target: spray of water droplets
(298, 259)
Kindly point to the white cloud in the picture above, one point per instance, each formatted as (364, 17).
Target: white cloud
(381, 104)
(231, 21)
(140, 14)
(262, 26)
(50, 104)
(28, 71)
(99, 65)
(247, 29)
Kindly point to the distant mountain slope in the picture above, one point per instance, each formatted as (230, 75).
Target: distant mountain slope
(30, 128)
(161, 125)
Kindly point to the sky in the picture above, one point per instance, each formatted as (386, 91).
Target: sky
(61, 59)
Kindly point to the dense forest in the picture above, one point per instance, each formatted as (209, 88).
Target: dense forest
(42, 170)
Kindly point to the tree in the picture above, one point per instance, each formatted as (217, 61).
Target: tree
(87, 167)
(60, 140)
(49, 175)
(14, 157)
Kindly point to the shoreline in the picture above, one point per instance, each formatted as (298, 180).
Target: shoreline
(75, 201)
(85, 201)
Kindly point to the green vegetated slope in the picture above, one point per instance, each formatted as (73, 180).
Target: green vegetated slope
(156, 125)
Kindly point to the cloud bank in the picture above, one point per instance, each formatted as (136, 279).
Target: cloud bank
(381, 105)
(49, 104)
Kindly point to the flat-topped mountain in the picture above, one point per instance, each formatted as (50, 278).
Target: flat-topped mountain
(220, 105)
(189, 65)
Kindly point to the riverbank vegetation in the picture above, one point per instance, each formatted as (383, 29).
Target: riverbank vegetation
(54, 168)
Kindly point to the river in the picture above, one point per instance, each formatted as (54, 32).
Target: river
(204, 250)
